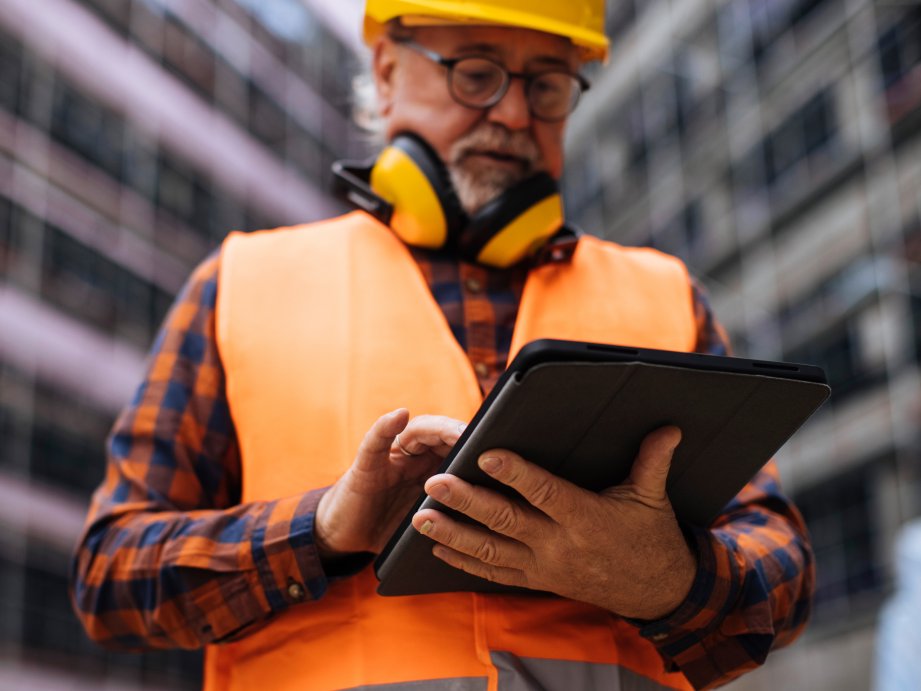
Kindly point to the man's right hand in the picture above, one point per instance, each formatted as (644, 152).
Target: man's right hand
(365, 506)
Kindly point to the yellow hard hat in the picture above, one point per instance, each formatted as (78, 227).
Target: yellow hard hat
(581, 21)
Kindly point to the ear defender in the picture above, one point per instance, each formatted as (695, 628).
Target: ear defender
(411, 177)
(515, 224)
(409, 188)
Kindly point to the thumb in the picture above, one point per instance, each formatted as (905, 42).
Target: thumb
(650, 469)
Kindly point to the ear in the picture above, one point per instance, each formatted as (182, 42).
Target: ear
(384, 67)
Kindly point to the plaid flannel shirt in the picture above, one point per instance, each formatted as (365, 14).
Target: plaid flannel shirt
(170, 558)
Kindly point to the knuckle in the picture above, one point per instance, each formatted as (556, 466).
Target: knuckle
(544, 492)
(486, 552)
(505, 520)
(445, 537)
(515, 473)
(448, 538)
(462, 502)
(425, 421)
(411, 427)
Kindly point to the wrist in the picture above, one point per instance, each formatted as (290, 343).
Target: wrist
(322, 532)
(677, 574)
(681, 579)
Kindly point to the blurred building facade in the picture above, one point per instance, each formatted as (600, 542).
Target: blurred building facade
(134, 134)
(774, 145)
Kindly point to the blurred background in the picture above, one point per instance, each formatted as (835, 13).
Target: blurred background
(772, 144)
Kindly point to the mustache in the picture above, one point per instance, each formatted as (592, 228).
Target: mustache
(493, 138)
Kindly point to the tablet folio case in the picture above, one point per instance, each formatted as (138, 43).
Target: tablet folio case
(585, 421)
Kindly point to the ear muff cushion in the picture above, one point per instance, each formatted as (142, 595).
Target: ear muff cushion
(410, 176)
(514, 224)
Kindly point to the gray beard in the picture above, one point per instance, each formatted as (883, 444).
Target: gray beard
(475, 188)
(478, 182)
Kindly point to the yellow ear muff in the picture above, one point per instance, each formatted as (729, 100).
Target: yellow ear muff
(409, 187)
(524, 234)
(514, 224)
(418, 214)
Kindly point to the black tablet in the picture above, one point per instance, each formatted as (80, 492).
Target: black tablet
(580, 410)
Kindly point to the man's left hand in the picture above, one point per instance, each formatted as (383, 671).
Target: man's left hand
(621, 549)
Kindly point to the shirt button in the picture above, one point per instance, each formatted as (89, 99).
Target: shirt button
(474, 285)
(296, 591)
(481, 369)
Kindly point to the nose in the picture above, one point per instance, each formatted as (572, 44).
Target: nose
(512, 110)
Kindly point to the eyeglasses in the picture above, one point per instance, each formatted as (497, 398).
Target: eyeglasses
(481, 82)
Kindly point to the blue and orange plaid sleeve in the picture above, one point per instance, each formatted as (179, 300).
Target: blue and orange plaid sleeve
(169, 557)
(753, 590)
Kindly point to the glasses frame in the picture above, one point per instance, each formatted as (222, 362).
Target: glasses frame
(527, 77)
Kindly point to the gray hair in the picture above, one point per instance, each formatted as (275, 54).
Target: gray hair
(365, 110)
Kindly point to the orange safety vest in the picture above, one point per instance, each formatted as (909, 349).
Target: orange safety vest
(324, 328)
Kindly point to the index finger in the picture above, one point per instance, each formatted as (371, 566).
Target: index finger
(437, 433)
(549, 493)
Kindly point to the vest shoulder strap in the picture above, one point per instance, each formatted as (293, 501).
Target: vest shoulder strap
(610, 294)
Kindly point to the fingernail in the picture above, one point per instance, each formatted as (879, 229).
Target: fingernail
(438, 491)
(490, 464)
(461, 427)
(426, 527)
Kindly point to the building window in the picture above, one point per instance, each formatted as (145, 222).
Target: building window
(793, 158)
(843, 522)
(838, 351)
(6, 233)
(770, 19)
(899, 50)
(900, 46)
(805, 133)
(268, 121)
(15, 421)
(11, 67)
(188, 58)
(638, 147)
(87, 127)
(913, 259)
(141, 166)
(82, 282)
(231, 92)
(116, 13)
(682, 235)
(22, 228)
(183, 194)
(68, 441)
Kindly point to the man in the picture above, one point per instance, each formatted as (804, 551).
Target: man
(254, 473)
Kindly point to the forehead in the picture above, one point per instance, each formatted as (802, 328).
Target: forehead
(512, 45)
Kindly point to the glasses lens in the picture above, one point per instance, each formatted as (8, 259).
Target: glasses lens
(553, 95)
(477, 81)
